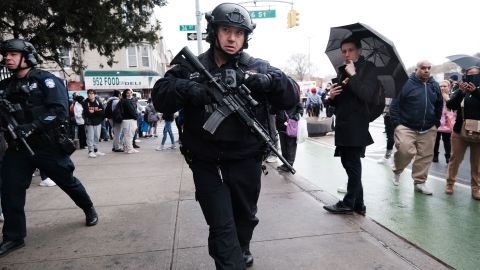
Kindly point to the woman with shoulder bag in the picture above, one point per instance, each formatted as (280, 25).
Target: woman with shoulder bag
(466, 101)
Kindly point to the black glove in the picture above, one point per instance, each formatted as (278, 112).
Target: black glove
(259, 82)
(199, 95)
(25, 130)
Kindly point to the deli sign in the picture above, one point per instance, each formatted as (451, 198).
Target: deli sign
(120, 79)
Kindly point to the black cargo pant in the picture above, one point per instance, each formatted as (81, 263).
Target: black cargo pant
(16, 173)
(228, 192)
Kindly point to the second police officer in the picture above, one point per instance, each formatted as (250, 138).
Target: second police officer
(226, 166)
(42, 107)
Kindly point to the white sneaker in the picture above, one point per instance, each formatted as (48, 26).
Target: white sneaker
(160, 148)
(1, 218)
(423, 188)
(272, 159)
(98, 153)
(135, 150)
(173, 146)
(396, 179)
(92, 155)
(137, 140)
(342, 189)
(131, 152)
(47, 183)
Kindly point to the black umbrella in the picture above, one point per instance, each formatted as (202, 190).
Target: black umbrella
(465, 61)
(375, 48)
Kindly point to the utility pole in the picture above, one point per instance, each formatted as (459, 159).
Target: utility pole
(198, 13)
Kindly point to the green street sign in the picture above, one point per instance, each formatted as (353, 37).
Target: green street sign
(187, 27)
(263, 14)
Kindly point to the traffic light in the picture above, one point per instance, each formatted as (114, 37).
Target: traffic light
(292, 18)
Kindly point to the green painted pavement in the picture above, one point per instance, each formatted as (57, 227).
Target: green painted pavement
(447, 226)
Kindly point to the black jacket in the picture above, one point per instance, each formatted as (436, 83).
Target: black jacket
(418, 106)
(129, 108)
(471, 106)
(43, 100)
(93, 112)
(351, 110)
(232, 140)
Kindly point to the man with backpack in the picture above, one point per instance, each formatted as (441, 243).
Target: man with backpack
(116, 125)
(351, 95)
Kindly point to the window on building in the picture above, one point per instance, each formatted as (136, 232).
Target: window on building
(132, 56)
(145, 56)
(65, 57)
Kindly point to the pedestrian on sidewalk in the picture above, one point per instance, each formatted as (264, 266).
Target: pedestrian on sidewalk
(128, 108)
(167, 130)
(152, 118)
(116, 126)
(288, 143)
(80, 121)
(447, 121)
(44, 108)
(466, 101)
(94, 115)
(357, 81)
(227, 165)
(416, 113)
(389, 132)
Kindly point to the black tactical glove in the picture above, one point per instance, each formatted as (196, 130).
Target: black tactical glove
(259, 82)
(199, 95)
(25, 130)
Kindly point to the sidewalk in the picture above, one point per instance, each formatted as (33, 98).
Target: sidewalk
(150, 220)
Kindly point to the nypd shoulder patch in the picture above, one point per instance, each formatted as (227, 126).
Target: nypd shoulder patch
(50, 83)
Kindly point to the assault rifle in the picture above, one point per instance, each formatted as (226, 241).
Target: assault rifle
(6, 111)
(230, 101)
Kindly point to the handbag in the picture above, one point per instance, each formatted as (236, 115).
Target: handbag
(470, 131)
(292, 127)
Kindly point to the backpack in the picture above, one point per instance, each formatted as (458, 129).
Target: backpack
(117, 113)
(376, 105)
(108, 109)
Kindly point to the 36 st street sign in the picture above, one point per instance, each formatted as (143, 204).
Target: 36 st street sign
(187, 27)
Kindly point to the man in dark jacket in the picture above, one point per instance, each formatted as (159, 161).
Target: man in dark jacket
(415, 114)
(226, 165)
(357, 82)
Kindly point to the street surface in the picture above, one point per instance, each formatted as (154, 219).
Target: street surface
(445, 225)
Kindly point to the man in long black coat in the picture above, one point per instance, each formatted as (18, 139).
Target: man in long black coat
(357, 81)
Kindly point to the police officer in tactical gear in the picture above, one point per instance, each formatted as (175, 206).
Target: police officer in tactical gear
(227, 165)
(43, 107)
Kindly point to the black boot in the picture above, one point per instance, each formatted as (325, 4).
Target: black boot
(9, 246)
(248, 258)
(91, 216)
(435, 157)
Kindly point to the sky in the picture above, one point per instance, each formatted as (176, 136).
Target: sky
(419, 29)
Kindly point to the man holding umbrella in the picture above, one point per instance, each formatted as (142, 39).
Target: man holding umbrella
(357, 81)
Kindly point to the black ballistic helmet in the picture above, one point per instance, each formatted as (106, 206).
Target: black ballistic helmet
(228, 14)
(20, 45)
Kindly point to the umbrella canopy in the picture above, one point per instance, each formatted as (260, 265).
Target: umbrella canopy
(375, 48)
(465, 61)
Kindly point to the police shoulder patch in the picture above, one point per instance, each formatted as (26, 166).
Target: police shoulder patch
(50, 83)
